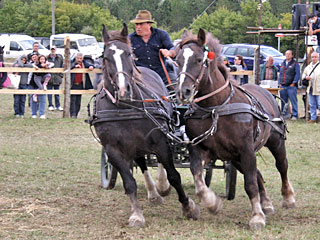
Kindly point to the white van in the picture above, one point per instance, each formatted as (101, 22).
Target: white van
(83, 43)
(16, 45)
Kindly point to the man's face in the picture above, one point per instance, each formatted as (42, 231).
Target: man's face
(79, 59)
(289, 55)
(34, 58)
(270, 61)
(143, 29)
(36, 47)
(53, 51)
(314, 58)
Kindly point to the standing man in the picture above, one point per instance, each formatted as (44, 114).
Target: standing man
(147, 41)
(268, 71)
(35, 50)
(314, 85)
(56, 79)
(288, 80)
(79, 81)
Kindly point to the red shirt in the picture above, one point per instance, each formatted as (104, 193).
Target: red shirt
(79, 76)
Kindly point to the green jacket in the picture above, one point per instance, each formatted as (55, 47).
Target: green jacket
(263, 72)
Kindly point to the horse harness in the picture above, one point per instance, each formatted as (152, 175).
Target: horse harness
(152, 109)
(254, 108)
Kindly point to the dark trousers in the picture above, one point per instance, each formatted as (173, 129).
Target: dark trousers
(56, 96)
(19, 101)
(75, 101)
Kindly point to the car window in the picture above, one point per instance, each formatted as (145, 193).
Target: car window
(230, 51)
(242, 51)
(14, 46)
(271, 52)
(251, 52)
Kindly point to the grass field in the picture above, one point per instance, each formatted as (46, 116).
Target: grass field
(49, 188)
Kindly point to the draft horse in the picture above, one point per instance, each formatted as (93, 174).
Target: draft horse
(229, 122)
(131, 120)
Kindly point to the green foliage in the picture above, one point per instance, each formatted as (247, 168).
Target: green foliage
(34, 18)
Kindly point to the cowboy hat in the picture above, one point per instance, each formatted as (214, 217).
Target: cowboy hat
(142, 17)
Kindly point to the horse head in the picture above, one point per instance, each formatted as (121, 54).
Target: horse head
(117, 62)
(197, 57)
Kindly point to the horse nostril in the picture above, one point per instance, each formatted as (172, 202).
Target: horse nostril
(187, 92)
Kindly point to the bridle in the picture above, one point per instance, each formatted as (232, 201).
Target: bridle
(196, 81)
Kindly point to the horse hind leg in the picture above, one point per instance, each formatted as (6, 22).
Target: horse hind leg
(153, 195)
(277, 147)
(162, 185)
(207, 197)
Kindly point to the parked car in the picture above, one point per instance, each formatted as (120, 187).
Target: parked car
(45, 41)
(247, 52)
(16, 45)
(83, 43)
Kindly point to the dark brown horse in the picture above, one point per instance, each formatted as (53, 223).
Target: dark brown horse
(229, 122)
(131, 120)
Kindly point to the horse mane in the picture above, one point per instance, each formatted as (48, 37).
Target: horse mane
(116, 35)
(213, 45)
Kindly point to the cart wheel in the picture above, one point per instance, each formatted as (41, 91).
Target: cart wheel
(108, 172)
(208, 176)
(231, 181)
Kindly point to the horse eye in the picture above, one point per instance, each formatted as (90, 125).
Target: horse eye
(199, 60)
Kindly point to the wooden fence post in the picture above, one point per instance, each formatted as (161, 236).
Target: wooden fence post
(67, 78)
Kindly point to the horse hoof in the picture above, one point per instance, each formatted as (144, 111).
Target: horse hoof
(191, 211)
(137, 220)
(288, 204)
(158, 200)
(267, 208)
(217, 207)
(257, 223)
(164, 193)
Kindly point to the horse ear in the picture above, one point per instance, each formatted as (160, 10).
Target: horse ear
(201, 36)
(185, 34)
(124, 31)
(105, 35)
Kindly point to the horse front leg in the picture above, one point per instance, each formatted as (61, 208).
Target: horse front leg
(207, 197)
(116, 159)
(249, 167)
(265, 201)
(189, 208)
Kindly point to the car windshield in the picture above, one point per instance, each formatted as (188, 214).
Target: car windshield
(27, 44)
(271, 52)
(87, 42)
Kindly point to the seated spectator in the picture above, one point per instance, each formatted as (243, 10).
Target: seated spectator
(20, 99)
(241, 66)
(230, 67)
(79, 81)
(268, 71)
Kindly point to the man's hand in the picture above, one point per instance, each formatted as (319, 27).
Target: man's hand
(292, 84)
(165, 52)
(91, 68)
(308, 77)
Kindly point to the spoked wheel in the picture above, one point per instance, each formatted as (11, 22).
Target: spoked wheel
(231, 181)
(108, 172)
(208, 176)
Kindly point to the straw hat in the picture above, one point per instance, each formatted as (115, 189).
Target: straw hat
(142, 17)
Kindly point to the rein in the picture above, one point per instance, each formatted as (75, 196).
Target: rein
(165, 71)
